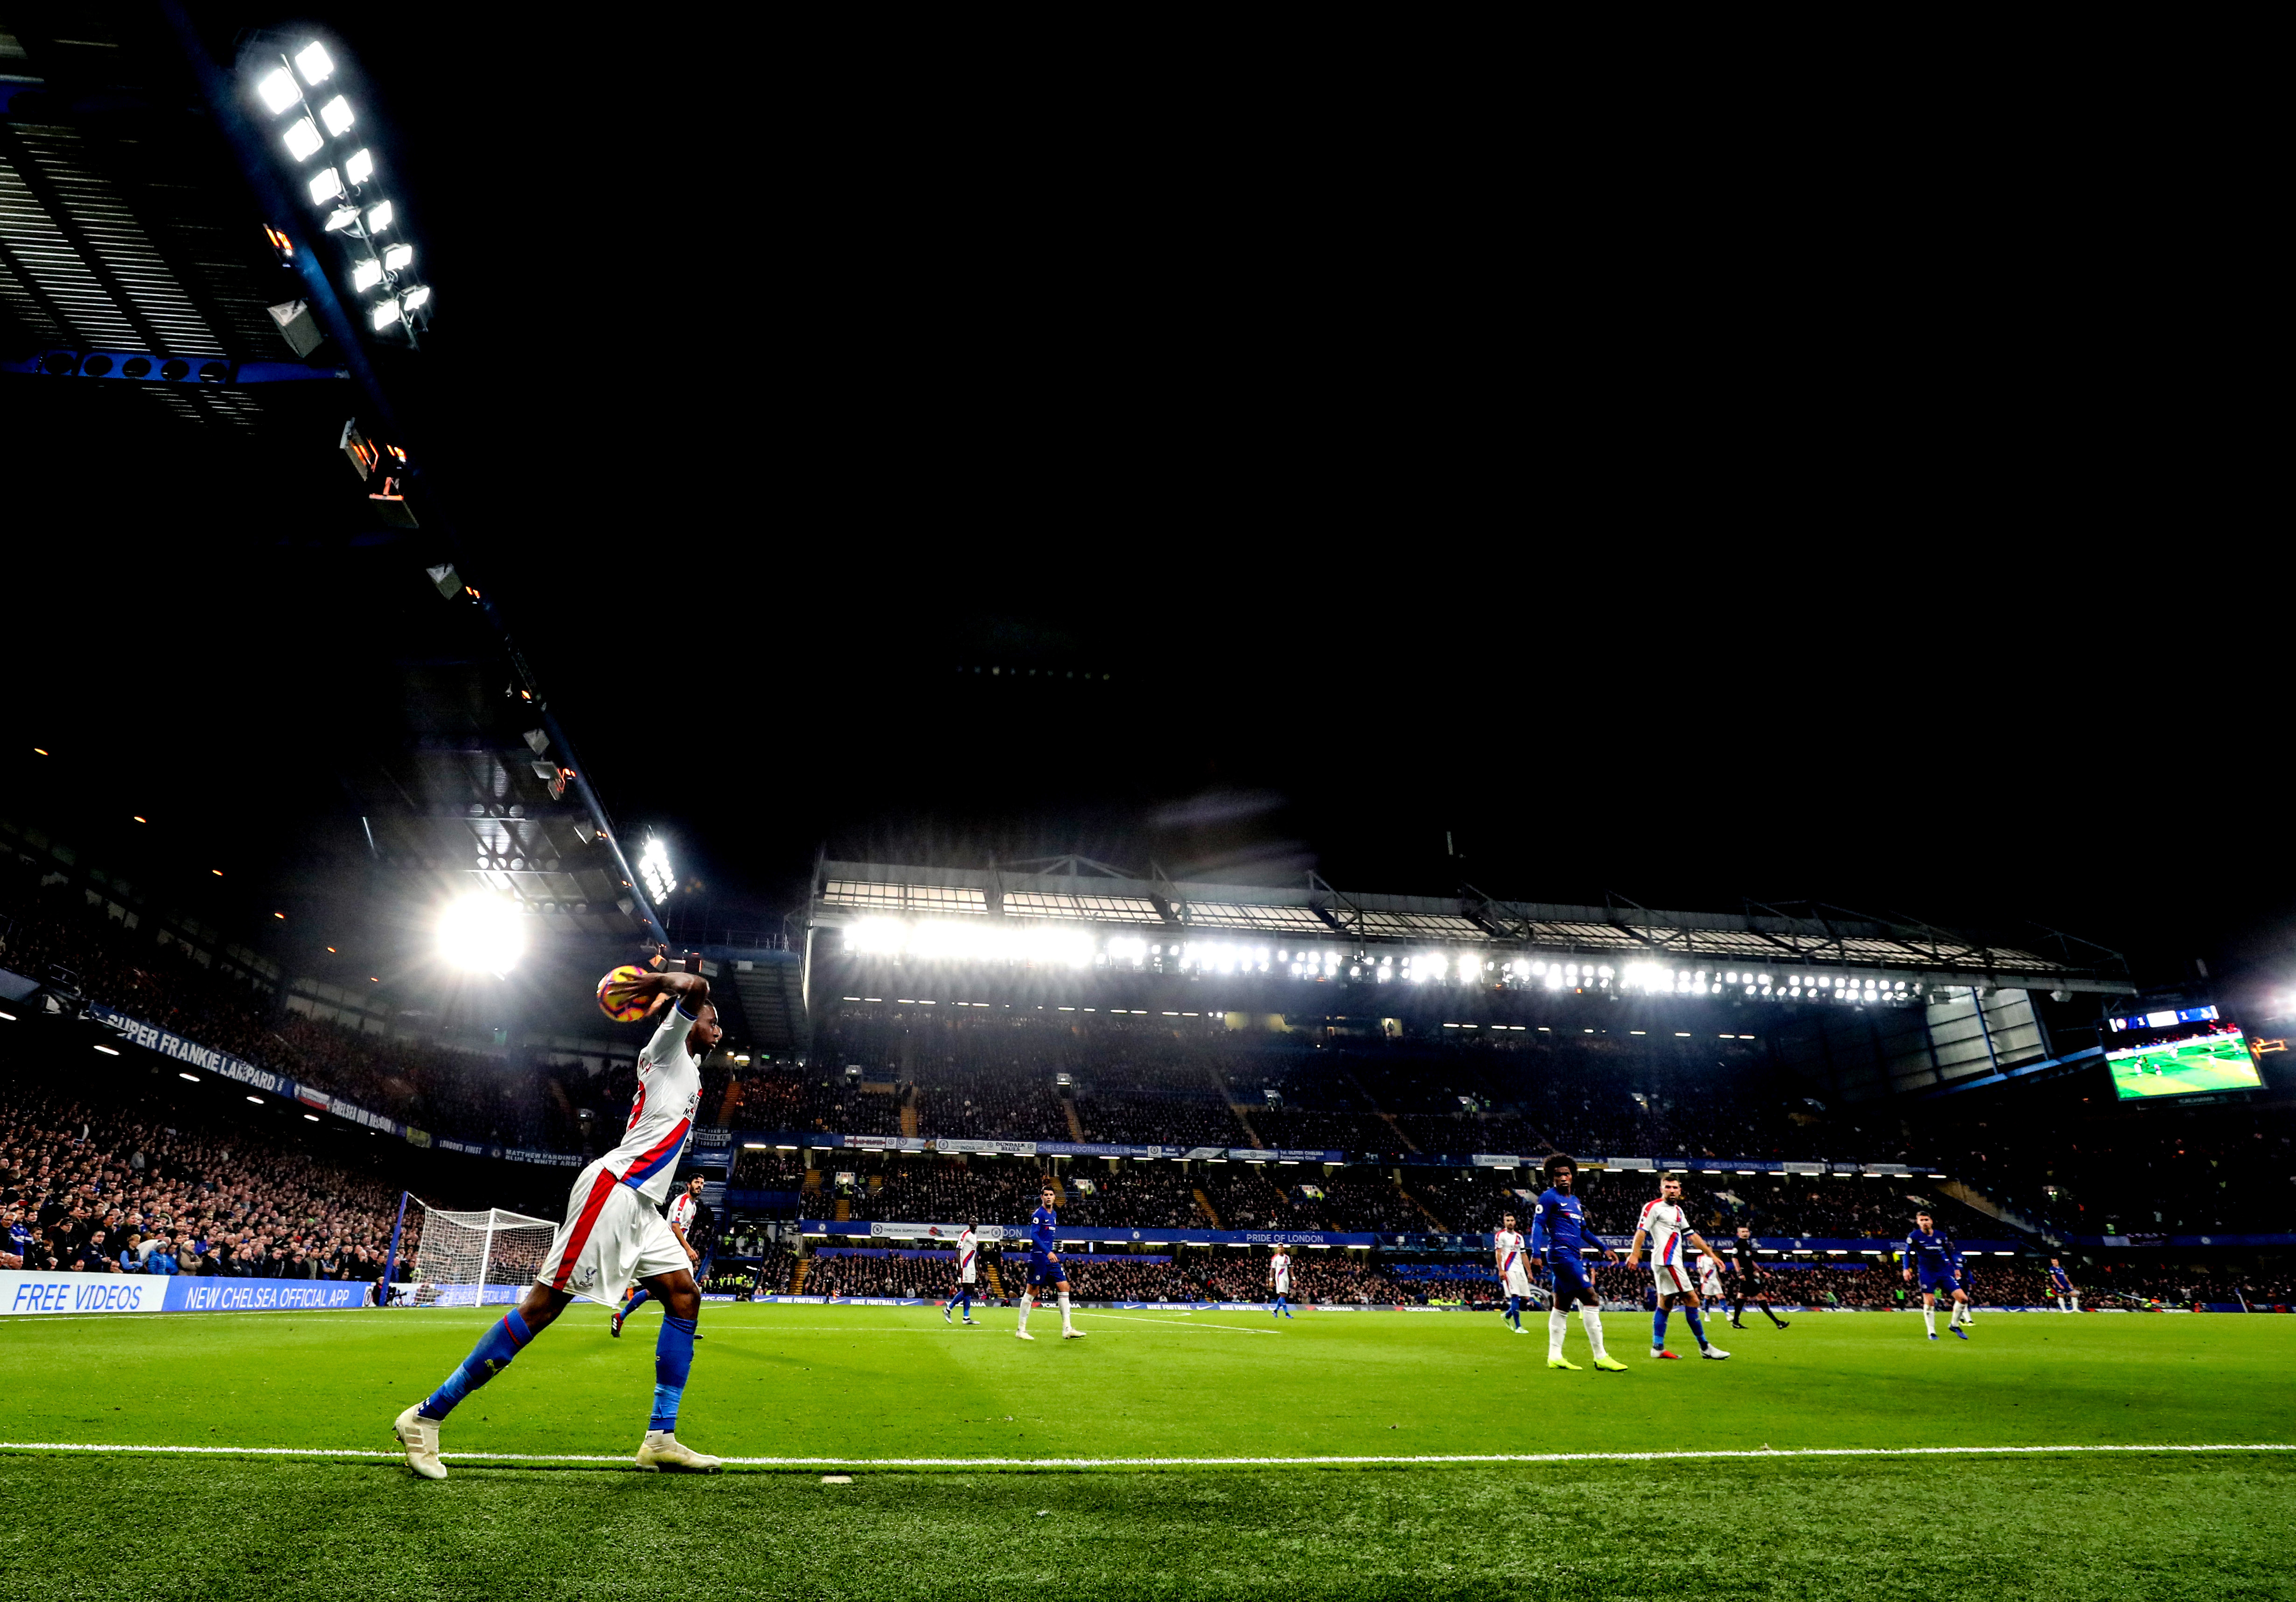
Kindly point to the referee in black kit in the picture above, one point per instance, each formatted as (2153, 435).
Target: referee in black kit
(1746, 1280)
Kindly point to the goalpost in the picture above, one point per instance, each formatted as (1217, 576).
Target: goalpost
(469, 1259)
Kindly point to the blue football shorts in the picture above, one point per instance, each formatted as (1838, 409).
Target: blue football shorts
(1571, 1282)
(1041, 1272)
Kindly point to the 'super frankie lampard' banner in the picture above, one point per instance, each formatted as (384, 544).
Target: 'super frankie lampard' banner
(26, 1292)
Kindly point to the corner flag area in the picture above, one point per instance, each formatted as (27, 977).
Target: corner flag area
(1357, 1454)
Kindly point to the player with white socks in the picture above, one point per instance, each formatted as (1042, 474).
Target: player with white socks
(2062, 1288)
(1558, 1229)
(1044, 1267)
(1931, 1251)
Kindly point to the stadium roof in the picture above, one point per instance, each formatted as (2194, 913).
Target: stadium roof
(140, 364)
(1080, 891)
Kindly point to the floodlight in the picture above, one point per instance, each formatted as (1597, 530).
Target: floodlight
(315, 62)
(360, 167)
(397, 256)
(278, 91)
(653, 867)
(303, 141)
(326, 187)
(378, 216)
(366, 275)
(482, 933)
(385, 314)
(341, 217)
(337, 115)
(417, 298)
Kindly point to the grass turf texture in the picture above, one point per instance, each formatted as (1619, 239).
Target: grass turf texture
(857, 1384)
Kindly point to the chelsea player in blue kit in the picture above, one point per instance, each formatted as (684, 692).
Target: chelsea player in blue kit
(1930, 1252)
(1558, 1229)
(1045, 1266)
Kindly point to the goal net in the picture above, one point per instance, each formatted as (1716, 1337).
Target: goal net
(472, 1259)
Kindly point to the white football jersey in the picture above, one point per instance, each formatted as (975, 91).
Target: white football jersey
(1512, 1253)
(968, 1256)
(670, 1088)
(1664, 1222)
(681, 1212)
(1280, 1265)
(1710, 1276)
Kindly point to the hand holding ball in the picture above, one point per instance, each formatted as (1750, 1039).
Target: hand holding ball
(624, 995)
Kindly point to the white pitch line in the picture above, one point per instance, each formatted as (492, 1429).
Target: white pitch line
(1175, 1324)
(1661, 1456)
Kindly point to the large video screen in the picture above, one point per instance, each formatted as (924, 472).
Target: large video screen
(2220, 1061)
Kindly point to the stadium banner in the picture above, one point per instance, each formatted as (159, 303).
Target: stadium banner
(1501, 1160)
(152, 1037)
(1105, 1233)
(899, 1231)
(950, 1256)
(1639, 1163)
(983, 1149)
(1801, 1168)
(68, 1292)
(2180, 1240)
(222, 1064)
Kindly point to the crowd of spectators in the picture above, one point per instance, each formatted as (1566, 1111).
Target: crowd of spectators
(126, 1186)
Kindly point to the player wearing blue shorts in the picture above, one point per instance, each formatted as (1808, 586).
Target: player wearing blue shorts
(1558, 1230)
(1045, 1266)
(2061, 1286)
(1930, 1251)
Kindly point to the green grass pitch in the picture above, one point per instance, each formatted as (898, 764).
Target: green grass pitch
(541, 1486)
(2185, 1068)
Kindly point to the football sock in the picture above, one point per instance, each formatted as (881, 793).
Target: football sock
(1658, 1330)
(1772, 1314)
(1592, 1319)
(1929, 1317)
(672, 1360)
(1027, 1301)
(1558, 1325)
(492, 1355)
(1064, 1312)
(1697, 1325)
(1514, 1311)
(2076, 1301)
(965, 1299)
(638, 1294)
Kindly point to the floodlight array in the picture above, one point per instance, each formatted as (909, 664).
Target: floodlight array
(975, 941)
(342, 185)
(936, 940)
(653, 867)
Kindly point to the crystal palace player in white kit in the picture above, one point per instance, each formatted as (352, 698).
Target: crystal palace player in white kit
(1511, 1254)
(1279, 1280)
(1664, 1226)
(613, 1234)
(968, 1265)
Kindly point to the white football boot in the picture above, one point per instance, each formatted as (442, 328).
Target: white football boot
(420, 1436)
(661, 1451)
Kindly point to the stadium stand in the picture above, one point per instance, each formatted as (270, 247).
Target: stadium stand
(130, 1186)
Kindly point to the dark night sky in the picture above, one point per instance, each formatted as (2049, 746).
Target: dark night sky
(1652, 523)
